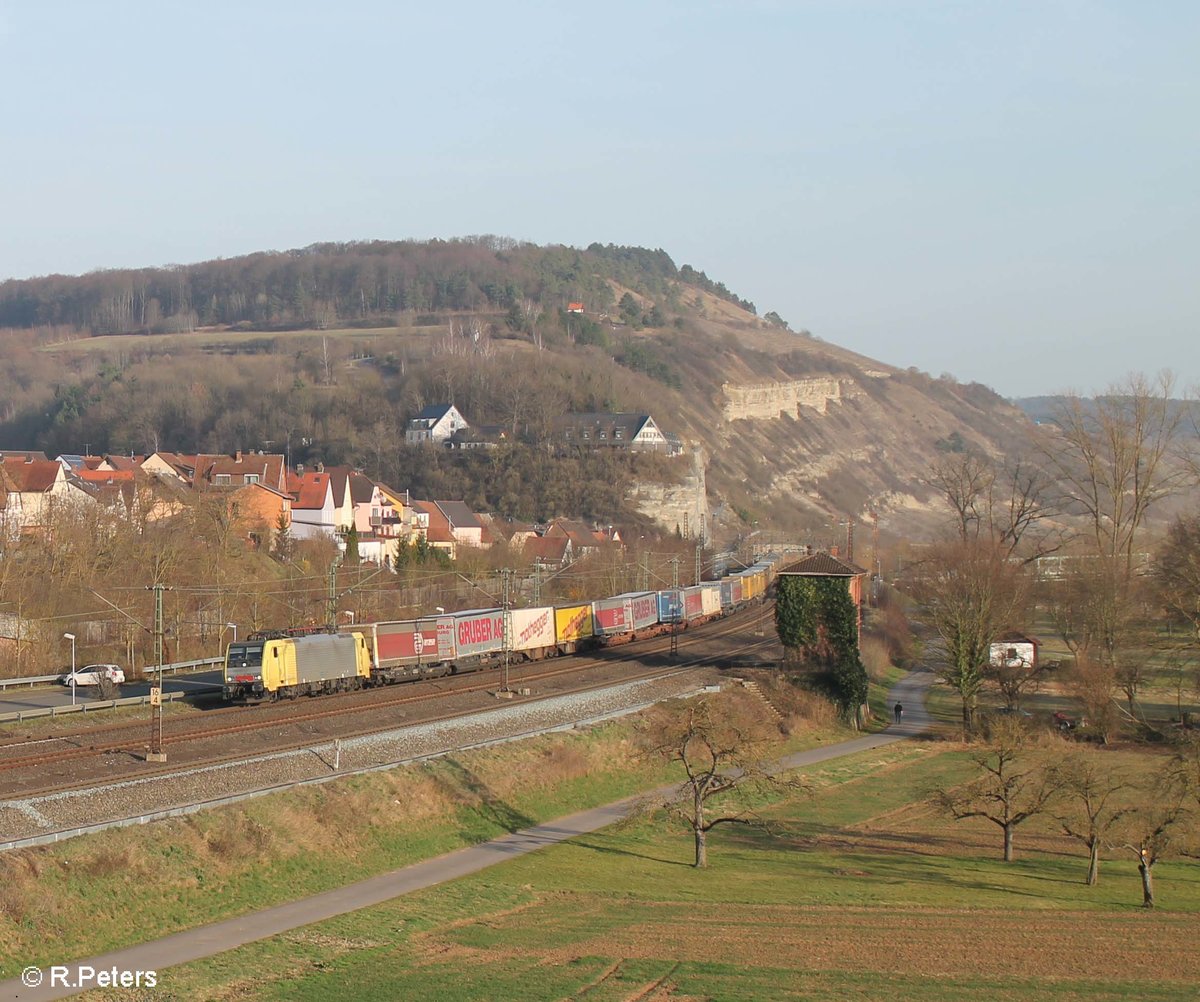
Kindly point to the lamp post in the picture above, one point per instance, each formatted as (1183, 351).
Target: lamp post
(71, 637)
(233, 626)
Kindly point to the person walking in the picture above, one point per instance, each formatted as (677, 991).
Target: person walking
(899, 712)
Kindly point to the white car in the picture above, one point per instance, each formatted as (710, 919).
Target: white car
(90, 675)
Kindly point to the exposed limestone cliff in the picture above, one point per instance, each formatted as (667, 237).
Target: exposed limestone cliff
(683, 505)
(766, 401)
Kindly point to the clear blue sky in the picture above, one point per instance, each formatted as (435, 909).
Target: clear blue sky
(1004, 191)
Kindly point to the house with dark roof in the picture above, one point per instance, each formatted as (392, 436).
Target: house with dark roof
(829, 565)
(463, 523)
(637, 432)
(435, 423)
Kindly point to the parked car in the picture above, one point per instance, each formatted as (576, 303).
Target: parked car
(91, 675)
(1064, 722)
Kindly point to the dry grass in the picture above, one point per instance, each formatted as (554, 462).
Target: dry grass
(875, 658)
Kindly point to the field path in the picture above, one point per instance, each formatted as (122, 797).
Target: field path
(209, 940)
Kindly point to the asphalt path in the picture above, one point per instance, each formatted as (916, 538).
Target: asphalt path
(194, 683)
(207, 941)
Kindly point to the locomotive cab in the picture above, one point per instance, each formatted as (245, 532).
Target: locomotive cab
(244, 671)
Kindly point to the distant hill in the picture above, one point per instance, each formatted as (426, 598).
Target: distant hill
(326, 352)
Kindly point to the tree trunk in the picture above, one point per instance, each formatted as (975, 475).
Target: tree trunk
(1147, 884)
(701, 848)
(1093, 877)
(1008, 844)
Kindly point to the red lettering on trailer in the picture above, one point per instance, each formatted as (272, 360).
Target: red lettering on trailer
(534, 628)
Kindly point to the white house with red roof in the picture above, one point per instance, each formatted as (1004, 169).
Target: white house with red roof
(314, 514)
(30, 488)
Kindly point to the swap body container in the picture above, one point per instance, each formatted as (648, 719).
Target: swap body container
(693, 604)
(710, 598)
(400, 643)
(573, 623)
(643, 608)
(471, 634)
(670, 606)
(531, 629)
(612, 616)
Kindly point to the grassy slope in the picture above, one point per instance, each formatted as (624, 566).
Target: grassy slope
(854, 895)
(98, 893)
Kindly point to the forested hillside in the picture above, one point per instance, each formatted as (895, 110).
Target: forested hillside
(327, 285)
(326, 352)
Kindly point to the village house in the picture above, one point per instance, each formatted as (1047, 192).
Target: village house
(438, 532)
(463, 523)
(549, 551)
(314, 515)
(410, 524)
(637, 432)
(259, 512)
(435, 423)
(29, 489)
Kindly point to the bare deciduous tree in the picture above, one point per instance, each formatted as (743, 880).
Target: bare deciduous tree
(1015, 785)
(970, 593)
(1151, 830)
(722, 745)
(1114, 457)
(1092, 789)
(1010, 504)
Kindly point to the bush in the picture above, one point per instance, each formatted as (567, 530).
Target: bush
(876, 658)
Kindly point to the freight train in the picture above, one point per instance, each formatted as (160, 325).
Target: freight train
(288, 664)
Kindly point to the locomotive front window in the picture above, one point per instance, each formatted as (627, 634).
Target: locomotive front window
(245, 655)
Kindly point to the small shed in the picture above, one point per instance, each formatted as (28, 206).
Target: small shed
(1014, 650)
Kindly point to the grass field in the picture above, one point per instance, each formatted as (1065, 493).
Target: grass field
(859, 891)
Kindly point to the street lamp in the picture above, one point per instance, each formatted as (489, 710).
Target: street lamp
(232, 626)
(71, 637)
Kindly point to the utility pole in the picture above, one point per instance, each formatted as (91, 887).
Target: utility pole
(679, 611)
(699, 550)
(850, 538)
(874, 552)
(644, 560)
(537, 581)
(507, 575)
(156, 753)
(331, 597)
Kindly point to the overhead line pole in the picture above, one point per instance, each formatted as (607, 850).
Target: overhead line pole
(679, 611)
(156, 753)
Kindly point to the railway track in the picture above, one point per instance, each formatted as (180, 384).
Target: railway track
(133, 740)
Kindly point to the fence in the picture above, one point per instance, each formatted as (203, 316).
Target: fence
(149, 670)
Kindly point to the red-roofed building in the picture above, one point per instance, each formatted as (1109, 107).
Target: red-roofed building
(556, 551)
(438, 532)
(313, 512)
(31, 489)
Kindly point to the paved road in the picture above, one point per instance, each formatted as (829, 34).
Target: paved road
(193, 683)
(195, 944)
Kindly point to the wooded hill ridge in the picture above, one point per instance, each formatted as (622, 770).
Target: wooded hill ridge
(326, 352)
